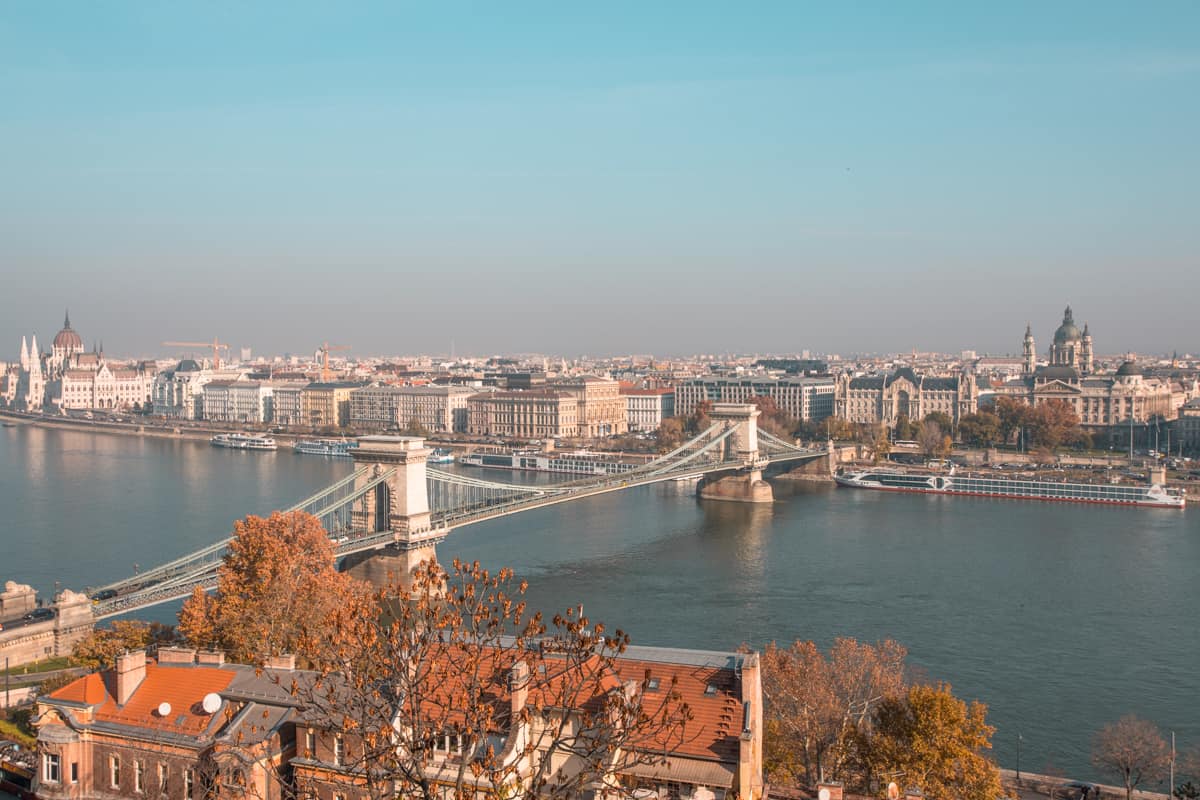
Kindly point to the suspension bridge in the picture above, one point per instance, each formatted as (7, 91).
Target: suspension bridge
(394, 502)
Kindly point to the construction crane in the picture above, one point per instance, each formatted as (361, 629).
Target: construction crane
(215, 344)
(325, 348)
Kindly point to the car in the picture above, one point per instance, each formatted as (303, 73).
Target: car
(39, 614)
(104, 594)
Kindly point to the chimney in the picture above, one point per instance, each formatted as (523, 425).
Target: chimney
(213, 658)
(287, 661)
(176, 655)
(829, 790)
(518, 684)
(131, 671)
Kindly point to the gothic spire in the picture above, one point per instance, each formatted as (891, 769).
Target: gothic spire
(67, 320)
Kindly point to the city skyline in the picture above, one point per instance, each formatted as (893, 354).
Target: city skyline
(604, 181)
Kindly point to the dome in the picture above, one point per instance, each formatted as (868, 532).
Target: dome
(1067, 332)
(67, 339)
(1128, 368)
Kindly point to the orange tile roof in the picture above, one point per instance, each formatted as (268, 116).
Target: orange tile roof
(181, 686)
(716, 720)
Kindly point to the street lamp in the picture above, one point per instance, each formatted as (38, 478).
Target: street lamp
(1018, 760)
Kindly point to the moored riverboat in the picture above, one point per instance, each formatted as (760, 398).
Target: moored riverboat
(580, 463)
(440, 455)
(243, 441)
(1012, 488)
(334, 448)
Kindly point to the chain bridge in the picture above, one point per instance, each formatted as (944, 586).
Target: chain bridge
(394, 502)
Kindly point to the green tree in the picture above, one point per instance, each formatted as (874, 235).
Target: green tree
(937, 741)
(905, 429)
(980, 430)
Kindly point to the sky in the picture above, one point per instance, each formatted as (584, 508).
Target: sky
(600, 178)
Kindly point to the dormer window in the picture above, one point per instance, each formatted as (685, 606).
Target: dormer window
(652, 685)
(710, 690)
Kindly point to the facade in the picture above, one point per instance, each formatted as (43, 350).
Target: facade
(645, 409)
(803, 399)
(239, 402)
(116, 388)
(1185, 432)
(287, 406)
(178, 393)
(325, 405)
(601, 408)
(442, 409)
(540, 414)
(883, 399)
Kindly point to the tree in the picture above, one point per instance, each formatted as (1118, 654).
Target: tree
(932, 439)
(875, 437)
(670, 433)
(432, 665)
(1051, 423)
(772, 418)
(277, 588)
(1012, 414)
(905, 429)
(699, 420)
(937, 741)
(982, 429)
(415, 428)
(816, 705)
(1133, 750)
(102, 646)
(942, 419)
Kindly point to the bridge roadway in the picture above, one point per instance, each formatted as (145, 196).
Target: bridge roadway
(178, 579)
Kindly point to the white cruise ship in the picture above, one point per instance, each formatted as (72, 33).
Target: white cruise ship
(243, 441)
(334, 448)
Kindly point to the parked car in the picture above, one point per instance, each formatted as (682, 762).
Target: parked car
(39, 614)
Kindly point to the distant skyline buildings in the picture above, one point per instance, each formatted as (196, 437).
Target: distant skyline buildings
(600, 179)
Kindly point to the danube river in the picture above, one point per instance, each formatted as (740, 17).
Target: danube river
(1059, 617)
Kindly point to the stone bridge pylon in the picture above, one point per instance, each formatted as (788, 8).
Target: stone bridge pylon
(399, 504)
(746, 484)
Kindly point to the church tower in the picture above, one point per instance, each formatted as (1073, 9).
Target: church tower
(1085, 352)
(24, 354)
(1030, 351)
(35, 386)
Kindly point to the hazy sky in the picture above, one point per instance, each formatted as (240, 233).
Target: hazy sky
(600, 177)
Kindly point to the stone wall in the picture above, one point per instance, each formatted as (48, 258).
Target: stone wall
(53, 637)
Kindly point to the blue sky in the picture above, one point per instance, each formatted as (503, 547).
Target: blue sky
(600, 178)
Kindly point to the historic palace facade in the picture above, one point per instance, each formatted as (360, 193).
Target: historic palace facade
(883, 399)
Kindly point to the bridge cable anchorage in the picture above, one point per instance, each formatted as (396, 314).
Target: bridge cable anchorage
(454, 500)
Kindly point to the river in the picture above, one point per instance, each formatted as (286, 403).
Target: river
(1060, 617)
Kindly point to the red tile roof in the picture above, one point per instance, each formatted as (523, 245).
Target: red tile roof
(183, 687)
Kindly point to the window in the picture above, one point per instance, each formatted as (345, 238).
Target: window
(114, 772)
(139, 777)
(189, 782)
(339, 750)
(162, 778)
(74, 772)
(51, 764)
(310, 743)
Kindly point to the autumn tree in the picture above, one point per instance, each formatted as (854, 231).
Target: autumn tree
(936, 741)
(1012, 413)
(102, 646)
(1052, 423)
(277, 587)
(905, 429)
(943, 421)
(670, 433)
(773, 419)
(817, 705)
(434, 658)
(699, 420)
(1132, 750)
(981, 429)
(933, 440)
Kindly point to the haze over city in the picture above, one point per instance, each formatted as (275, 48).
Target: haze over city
(631, 178)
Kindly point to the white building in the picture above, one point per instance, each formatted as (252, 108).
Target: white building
(178, 393)
(286, 405)
(237, 401)
(647, 408)
(803, 399)
(436, 408)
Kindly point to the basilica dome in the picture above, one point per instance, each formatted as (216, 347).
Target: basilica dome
(67, 338)
(1067, 332)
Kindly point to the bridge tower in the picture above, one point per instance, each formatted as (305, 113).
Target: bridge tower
(746, 485)
(400, 504)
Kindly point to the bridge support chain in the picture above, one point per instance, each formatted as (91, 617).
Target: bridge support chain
(399, 504)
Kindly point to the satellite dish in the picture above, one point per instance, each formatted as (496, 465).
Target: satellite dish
(211, 703)
(893, 791)
(164, 709)
(823, 794)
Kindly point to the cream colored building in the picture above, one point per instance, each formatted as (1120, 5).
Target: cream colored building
(287, 408)
(876, 399)
(435, 408)
(325, 405)
(538, 414)
(602, 409)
